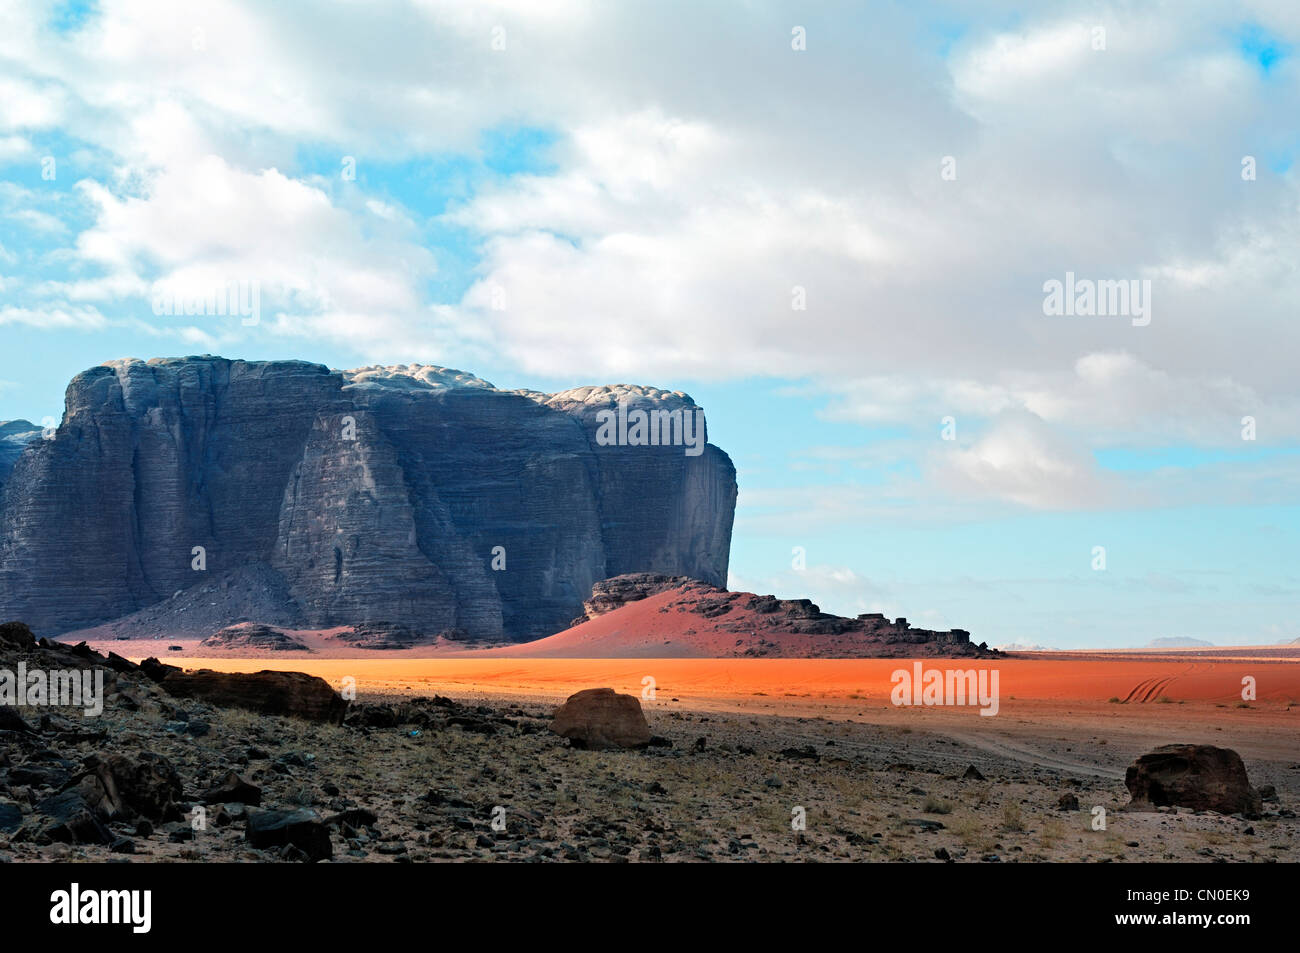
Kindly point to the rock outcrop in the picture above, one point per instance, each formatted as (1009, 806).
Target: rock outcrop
(293, 694)
(302, 496)
(253, 635)
(1200, 777)
(609, 595)
(15, 435)
(652, 615)
(600, 718)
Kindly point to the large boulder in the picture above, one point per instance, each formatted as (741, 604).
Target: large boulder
(268, 693)
(602, 718)
(69, 818)
(118, 786)
(1201, 777)
(303, 829)
(16, 635)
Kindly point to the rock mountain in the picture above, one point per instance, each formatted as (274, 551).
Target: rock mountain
(411, 495)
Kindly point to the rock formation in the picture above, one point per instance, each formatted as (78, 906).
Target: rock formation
(657, 615)
(253, 635)
(267, 693)
(406, 496)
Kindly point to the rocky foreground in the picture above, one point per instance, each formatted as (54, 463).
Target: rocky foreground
(434, 779)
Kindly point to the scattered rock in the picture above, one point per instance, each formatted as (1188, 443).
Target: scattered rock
(806, 753)
(232, 790)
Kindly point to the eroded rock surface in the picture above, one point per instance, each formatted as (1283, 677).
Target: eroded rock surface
(193, 493)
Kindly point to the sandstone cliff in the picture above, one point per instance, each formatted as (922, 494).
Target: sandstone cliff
(414, 496)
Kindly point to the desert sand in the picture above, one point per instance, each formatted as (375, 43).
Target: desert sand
(751, 744)
(1091, 715)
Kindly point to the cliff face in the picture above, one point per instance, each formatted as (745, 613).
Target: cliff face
(409, 495)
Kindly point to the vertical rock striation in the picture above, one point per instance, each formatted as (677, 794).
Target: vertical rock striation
(408, 495)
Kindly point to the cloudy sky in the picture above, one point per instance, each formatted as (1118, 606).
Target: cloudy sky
(831, 224)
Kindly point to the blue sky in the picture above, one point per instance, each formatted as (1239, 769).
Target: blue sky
(557, 195)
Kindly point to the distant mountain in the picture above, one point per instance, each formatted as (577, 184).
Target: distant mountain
(1017, 647)
(1179, 642)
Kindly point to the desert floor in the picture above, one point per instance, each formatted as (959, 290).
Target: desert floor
(759, 743)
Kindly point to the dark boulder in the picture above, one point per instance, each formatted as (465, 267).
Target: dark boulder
(16, 635)
(1201, 777)
(267, 693)
(68, 818)
(119, 786)
(157, 671)
(304, 829)
(232, 790)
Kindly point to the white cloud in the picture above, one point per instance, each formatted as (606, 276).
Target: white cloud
(704, 171)
(204, 224)
(55, 318)
(1020, 460)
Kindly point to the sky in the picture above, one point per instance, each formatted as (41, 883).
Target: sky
(836, 226)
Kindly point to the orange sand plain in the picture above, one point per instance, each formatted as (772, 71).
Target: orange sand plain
(846, 681)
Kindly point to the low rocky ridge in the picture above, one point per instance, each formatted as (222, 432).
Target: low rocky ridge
(659, 615)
